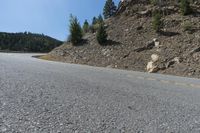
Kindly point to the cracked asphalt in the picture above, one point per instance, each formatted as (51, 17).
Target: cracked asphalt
(38, 96)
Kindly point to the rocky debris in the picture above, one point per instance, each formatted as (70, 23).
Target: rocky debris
(172, 62)
(167, 10)
(195, 50)
(126, 55)
(147, 12)
(106, 52)
(149, 45)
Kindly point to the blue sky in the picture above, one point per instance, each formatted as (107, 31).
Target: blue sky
(49, 17)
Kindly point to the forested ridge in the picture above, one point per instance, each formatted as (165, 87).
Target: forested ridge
(27, 42)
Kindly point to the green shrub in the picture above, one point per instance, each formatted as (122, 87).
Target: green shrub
(153, 2)
(101, 34)
(185, 7)
(75, 31)
(187, 26)
(157, 22)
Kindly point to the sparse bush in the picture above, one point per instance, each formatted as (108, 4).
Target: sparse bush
(157, 22)
(187, 26)
(185, 7)
(153, 2)
(75, 31)
(101, 35)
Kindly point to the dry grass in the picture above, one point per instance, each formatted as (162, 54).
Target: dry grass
(48, 57)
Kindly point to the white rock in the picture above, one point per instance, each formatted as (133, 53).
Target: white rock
(157, 44)
(154, 57)
(151, 67)
(105, 52)
(176, 59)
(126, 30)
(155, 39)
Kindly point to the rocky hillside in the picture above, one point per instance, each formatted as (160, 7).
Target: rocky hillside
(134, 45)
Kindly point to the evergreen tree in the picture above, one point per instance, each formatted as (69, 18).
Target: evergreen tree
(75, 31)
(157, 23)
(85, 26)
(109, 9)
(100, 19)
(94, 20)
(185, 7)
(119, 4)
(28, 42)
(101, 34)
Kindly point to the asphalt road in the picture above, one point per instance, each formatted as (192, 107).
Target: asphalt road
(38, 96)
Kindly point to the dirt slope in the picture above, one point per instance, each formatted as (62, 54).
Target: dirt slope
(131, 45)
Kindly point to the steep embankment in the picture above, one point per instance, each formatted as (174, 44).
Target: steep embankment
(27, 42)
(131, 46)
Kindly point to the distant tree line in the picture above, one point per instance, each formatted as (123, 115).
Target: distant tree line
(27, 42)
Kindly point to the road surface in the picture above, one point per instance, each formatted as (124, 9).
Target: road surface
(38, 96)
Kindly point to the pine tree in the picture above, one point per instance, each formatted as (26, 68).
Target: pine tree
(75, 31)
(101, 34)
(85, 26)
(100, 19)
(109, 9)
(94, 20)
(185, 7)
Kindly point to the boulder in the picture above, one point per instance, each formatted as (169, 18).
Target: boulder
(176, 60)
(157, 44)
(154, 57)
(155, 39)
(151, 67)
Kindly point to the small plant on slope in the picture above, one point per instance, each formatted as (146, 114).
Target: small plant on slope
(101, 34)
(75, 31)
